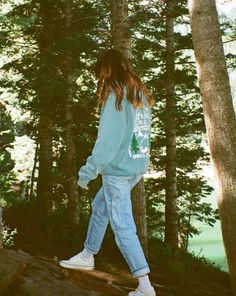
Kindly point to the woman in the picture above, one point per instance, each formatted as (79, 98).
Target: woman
(121, 155)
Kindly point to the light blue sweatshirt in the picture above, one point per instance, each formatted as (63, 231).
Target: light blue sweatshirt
(123, 142)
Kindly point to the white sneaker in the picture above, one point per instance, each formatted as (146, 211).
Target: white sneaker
(137, 292)
(78, 262)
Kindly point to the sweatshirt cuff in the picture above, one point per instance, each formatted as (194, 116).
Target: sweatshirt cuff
(82, 182)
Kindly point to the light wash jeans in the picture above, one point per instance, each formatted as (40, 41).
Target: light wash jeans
(112, 203)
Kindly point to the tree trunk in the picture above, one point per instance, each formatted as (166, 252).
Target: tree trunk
(219, 116)
(31, 194)
(1, 228)
(121, 41)
(171, 215)
(139, 209)
(45, 94)
(120, 27)
(44, 186)
(71, 173)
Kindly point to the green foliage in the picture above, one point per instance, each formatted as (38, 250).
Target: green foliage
(231, 60)
(192, 188)
(7, 178)
(186, 269)
(26, 73)
(8, 236)
(23, 77)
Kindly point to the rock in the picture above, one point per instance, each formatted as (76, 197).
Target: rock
(26, 275)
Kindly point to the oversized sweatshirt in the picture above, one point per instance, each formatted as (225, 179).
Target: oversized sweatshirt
(123, 141)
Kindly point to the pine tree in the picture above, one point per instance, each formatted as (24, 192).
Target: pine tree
(148, 26)
(70, 170)
(6, 164)
(122, 40)
(43, 86)
(1, 228)
(46, 95)
(171, 212)
(134, 144)
(146, 23)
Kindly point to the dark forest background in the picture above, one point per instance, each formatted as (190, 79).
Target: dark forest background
(49, 119)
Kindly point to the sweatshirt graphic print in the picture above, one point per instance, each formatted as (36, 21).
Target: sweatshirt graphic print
(140, 143)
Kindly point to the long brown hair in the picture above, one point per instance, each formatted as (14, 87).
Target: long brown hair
(113, 71)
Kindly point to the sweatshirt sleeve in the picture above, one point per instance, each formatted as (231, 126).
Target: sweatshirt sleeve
(111, 132)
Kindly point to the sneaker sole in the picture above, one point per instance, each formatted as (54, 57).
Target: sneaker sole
(149, 293)
(62, 264)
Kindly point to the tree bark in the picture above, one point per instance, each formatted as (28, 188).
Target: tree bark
(31, 194)
(46, 97)
(171, 214)
(139, 210)
(44, 186)
(73, 206)
(121, 40)
(1, 228)
(120, 27)
(219, 116)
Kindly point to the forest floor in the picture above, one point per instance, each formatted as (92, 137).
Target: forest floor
(172, 274)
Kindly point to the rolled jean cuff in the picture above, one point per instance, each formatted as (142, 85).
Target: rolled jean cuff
(141, 271)
(90, 250)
